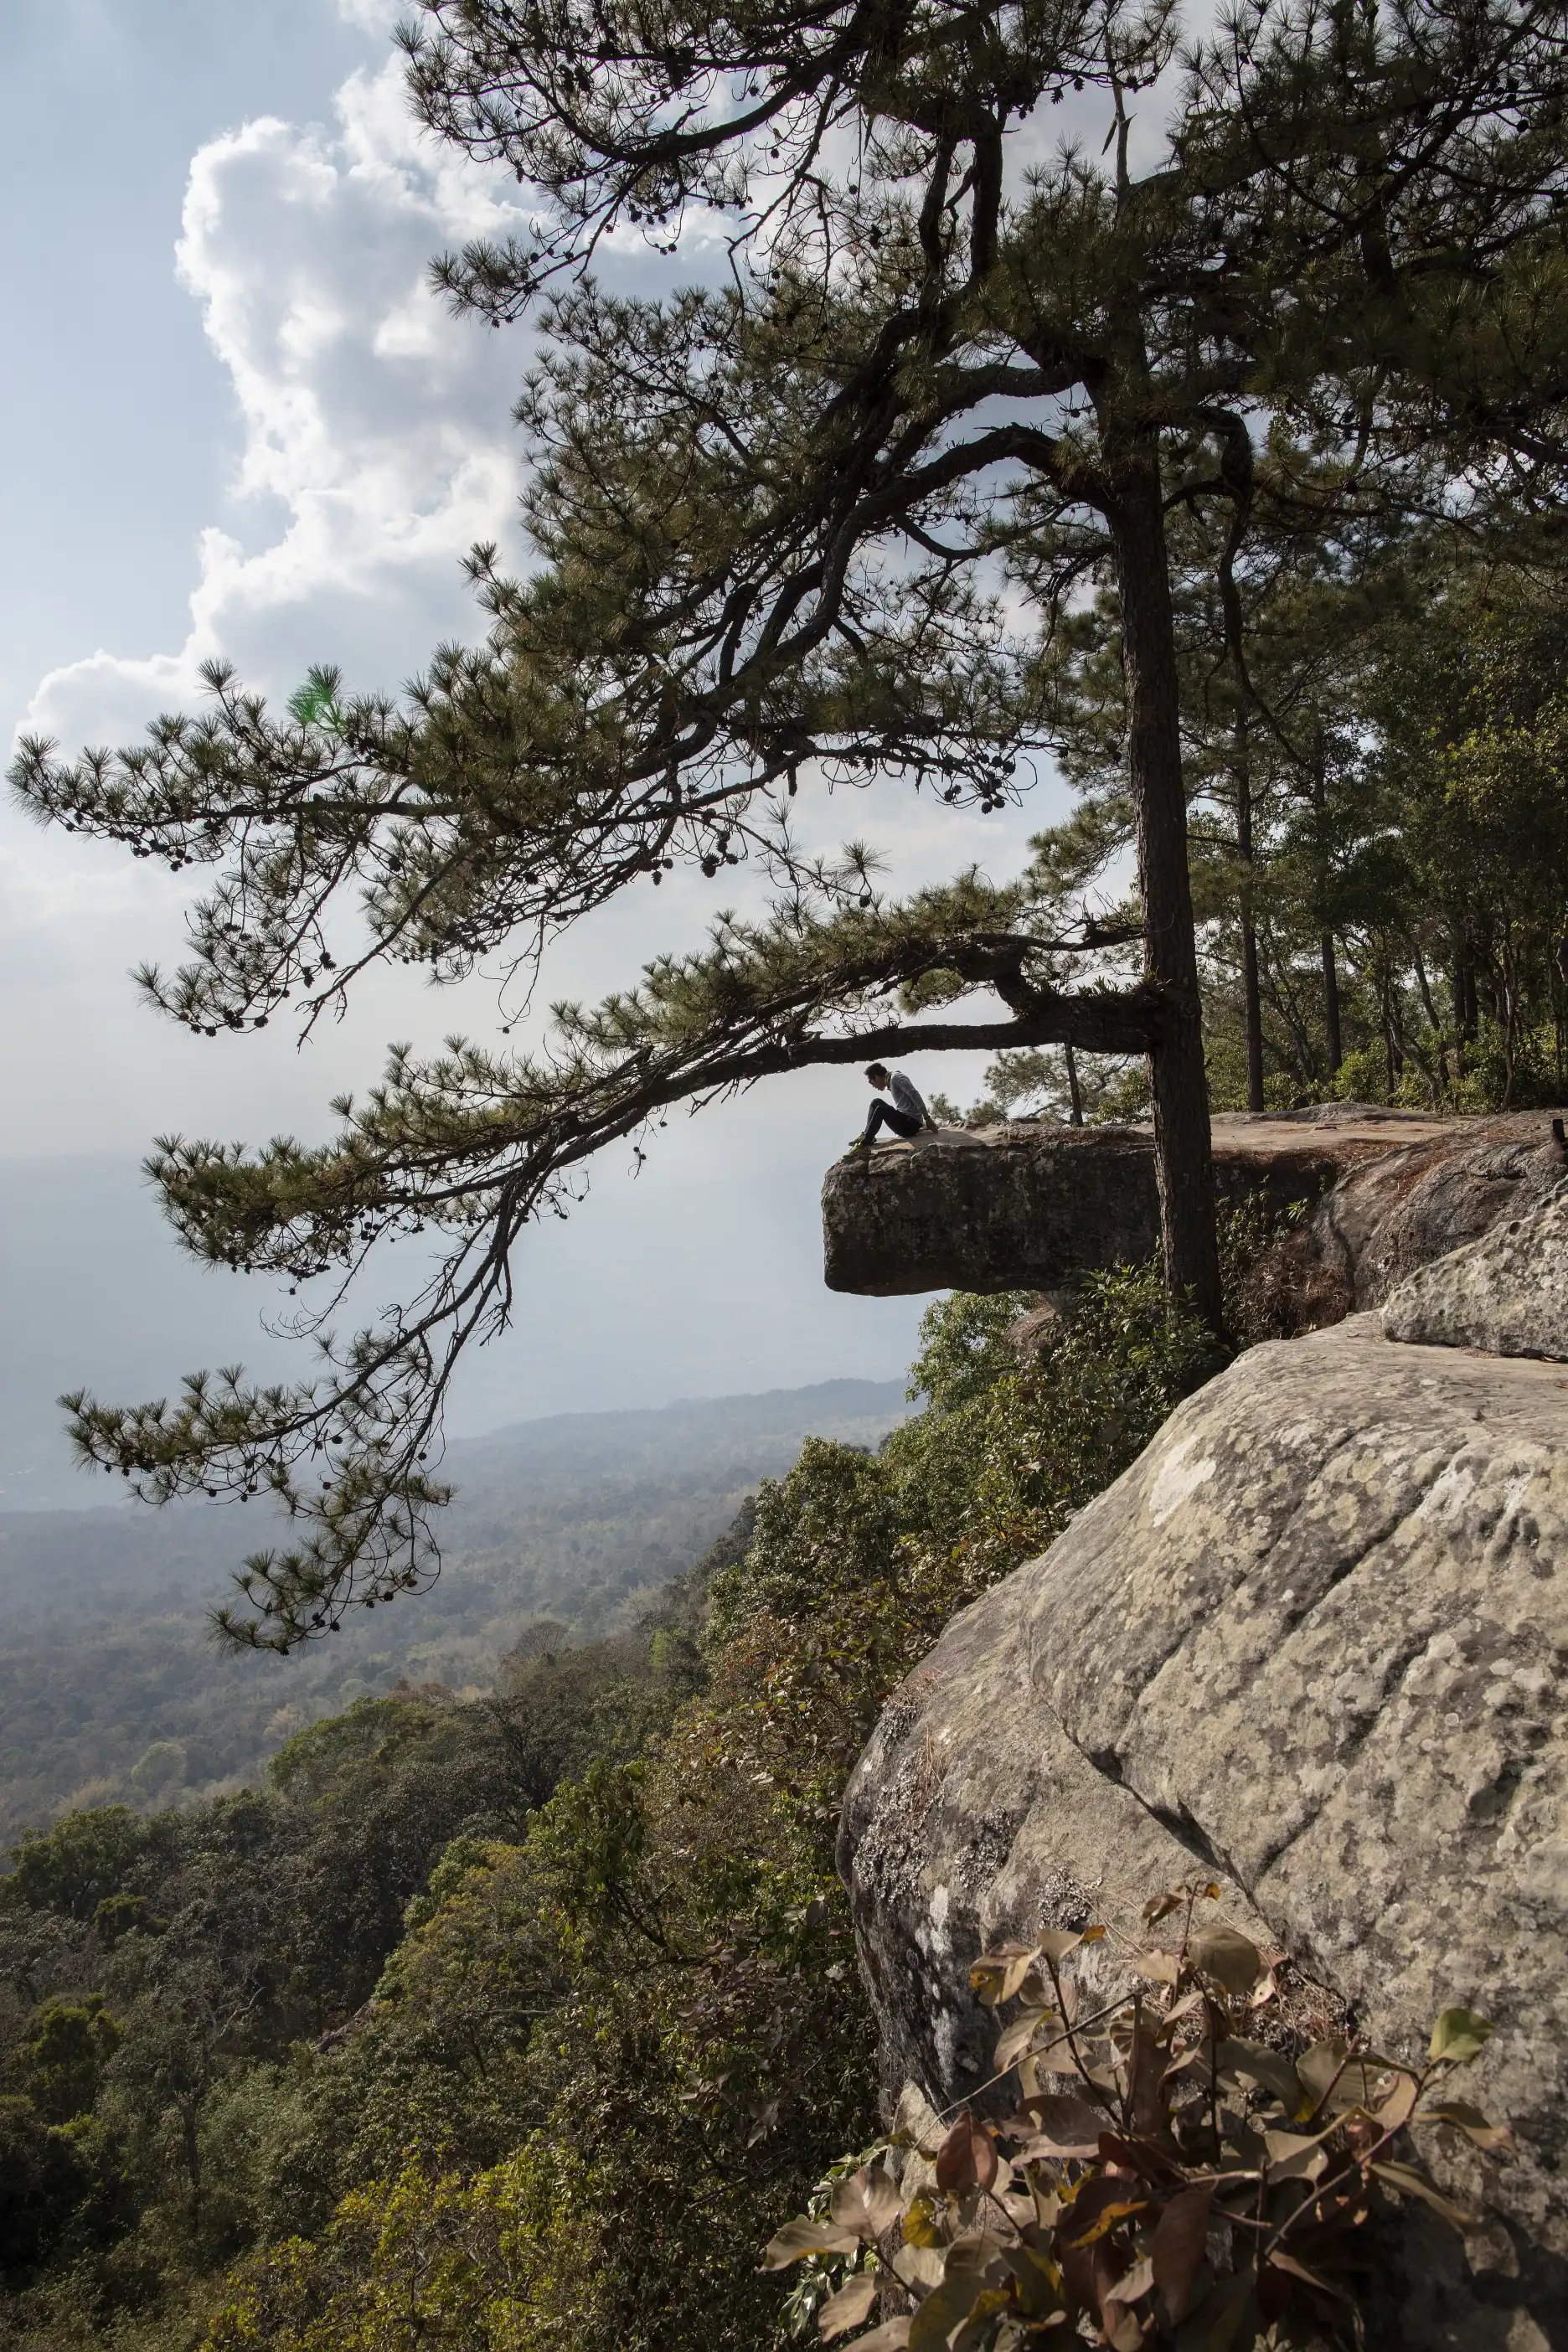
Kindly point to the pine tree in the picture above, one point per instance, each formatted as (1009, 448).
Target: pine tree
(782, 521)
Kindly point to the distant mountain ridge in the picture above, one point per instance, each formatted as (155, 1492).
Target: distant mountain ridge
(580, 1516)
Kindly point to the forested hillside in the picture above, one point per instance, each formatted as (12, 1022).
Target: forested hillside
(523, 2019)
(110, 1689)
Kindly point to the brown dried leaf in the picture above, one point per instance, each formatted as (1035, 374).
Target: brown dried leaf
(805, 2236)
(1177, 2251)
(850, 2307)
(1106, 2217)
(1399, 2105)
(1280, 2261)
(1160, 1906)
(1013, 2042)
(892, 2337)
(1254, 2061)
(967, 2158)
(1056, 1943)
(867, 2202)
(1066, 2121)
(1224, 1953)
(1330, 2074)
(1160, 1967)
(1411, 2183)
(1122, 2328)
(1494, 2138)
(916, 2121)
(1292, 2156)
(1137, 2283)
(920, 2267)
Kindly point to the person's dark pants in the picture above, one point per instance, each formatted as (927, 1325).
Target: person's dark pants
(881, 1115)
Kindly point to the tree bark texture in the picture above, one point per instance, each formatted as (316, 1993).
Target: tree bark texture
(1331, 1004)
(1178, 1080)
(1251, 996)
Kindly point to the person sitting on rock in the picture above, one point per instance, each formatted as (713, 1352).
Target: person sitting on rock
(905, 1114)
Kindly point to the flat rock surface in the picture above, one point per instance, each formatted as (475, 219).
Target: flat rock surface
(1506, 1294)
(1021, 1206)
(1317, 1637)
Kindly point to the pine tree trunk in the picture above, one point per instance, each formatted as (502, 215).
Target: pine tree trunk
(1075, 1095)
(1178, 1081)
(1333, 1036)
(1251, 996)
(1331, 1004)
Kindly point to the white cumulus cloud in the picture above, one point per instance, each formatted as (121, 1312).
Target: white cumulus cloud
(376, 444)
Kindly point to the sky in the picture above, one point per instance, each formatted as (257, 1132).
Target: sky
(233, 421)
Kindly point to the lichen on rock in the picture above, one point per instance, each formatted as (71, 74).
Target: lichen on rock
(1317, 1638)
(1506, 1295)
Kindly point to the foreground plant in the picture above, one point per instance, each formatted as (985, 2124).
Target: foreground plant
(1166, 2179)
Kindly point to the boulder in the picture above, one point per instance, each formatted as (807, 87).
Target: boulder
(1506, 1294)
(1315, 1639)
(1023, 1206)
(1403, 1209)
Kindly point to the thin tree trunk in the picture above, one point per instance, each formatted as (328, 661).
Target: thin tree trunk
(1178, 1082)
(1075, 1096)
(1333, 1034)
(1431, 1008)
(1251, 1001)
(1331, 1004)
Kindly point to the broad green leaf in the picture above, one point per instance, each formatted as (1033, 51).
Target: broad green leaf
(996, 1976)
(1038, 2278)
(1459, 2036)
(920, 2222)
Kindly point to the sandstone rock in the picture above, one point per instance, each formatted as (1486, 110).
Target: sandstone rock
(1023, 1207)
(972, 1818)
(1506, 1294)
(1316, 1639)
(1406, 1208)
(1026, 1207)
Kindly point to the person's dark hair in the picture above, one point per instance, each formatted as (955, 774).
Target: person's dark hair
(878, 1070)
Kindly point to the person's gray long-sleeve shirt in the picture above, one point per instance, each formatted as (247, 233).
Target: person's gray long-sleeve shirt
(907, 1098)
